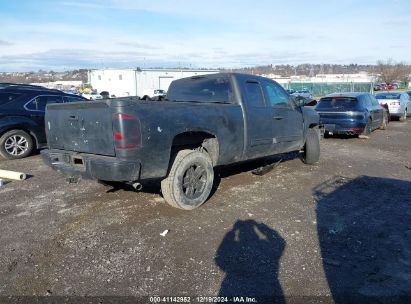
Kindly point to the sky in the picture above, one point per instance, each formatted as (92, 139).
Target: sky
(71, 34)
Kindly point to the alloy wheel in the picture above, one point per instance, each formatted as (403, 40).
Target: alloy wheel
(194, 181)
(16, 145)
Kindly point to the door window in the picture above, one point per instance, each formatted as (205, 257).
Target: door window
(254, 94)
(277, 97)
(39, 103)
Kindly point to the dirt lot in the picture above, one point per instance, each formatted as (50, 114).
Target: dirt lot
(340, 228)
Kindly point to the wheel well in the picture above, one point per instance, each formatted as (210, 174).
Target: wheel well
(313, 125)
(196, 140)
(33, 136)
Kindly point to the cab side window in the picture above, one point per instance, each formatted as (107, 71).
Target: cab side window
(254, 94)
(276, 96)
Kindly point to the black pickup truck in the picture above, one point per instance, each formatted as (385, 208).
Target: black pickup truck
(205, 121)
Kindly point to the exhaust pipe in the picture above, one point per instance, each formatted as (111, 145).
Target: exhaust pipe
(137, 186)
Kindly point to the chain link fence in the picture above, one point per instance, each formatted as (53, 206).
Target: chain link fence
(322, 89)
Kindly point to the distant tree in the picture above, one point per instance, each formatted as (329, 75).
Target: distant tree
(391, 71)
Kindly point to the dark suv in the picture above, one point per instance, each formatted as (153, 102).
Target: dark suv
(351, 113)
(22, 110)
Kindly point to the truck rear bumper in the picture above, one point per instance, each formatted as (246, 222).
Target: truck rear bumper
(90, 166)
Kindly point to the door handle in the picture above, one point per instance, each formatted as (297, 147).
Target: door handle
(73, 117)
(278, 117)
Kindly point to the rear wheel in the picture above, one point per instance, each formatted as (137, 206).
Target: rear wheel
(16, 144)
(190, 180)
(312, 147)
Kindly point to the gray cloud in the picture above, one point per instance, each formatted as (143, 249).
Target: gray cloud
(5, 43)
(60, 59)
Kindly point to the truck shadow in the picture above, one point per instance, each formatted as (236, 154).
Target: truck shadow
(249, 255)
(364, 229)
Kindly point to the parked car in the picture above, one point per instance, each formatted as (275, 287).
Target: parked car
(398, 103)
(22, 117)
(206, 121)
(92, 96)
(151, 93)
(392, 86)
(379, 87)
(351, 113)
(409, 93)
(105, 94)
(303, 93)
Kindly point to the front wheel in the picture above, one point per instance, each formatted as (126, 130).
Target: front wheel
(190, 180)
(312, 147)
(16, 144)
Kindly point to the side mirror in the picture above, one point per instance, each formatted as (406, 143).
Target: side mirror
(311, 103)
(299, 101)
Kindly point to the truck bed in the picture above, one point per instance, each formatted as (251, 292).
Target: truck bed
(131, 129)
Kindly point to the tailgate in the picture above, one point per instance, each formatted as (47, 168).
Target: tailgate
(82, 127)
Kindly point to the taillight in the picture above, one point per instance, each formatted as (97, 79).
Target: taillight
(396, 104)
(118, 136)
(126, 131)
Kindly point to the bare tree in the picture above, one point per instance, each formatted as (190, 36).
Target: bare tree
(391, 71)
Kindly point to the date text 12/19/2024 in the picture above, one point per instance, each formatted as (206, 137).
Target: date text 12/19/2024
(202, 299)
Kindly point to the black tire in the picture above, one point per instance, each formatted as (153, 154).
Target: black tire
(190, 169)
(368, 128)
(16, 144)
(384, 122)
(312, 147)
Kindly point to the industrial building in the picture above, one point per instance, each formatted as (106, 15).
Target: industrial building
(135, 82)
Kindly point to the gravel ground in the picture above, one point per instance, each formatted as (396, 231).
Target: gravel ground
(335, 230)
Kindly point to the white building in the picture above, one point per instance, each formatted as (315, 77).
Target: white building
(60, 84)
(134, 82)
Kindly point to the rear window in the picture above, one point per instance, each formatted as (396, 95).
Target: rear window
(7, 97)
(200, 89)
(337, 103)
(388, 96)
